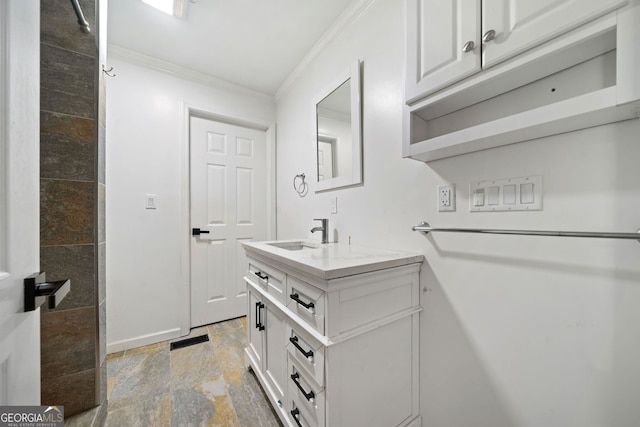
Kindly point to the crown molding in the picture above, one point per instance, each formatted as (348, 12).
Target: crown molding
(344, 21)
(180, 72)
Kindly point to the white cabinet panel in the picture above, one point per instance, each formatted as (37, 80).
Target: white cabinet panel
(523, 24)
(438, 33)
(275, 361)
(254, 328)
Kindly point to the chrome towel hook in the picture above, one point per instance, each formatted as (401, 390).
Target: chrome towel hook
(301, 187)
(108, 72)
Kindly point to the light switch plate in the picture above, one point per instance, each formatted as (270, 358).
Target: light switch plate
(150, 201)
(510, 194)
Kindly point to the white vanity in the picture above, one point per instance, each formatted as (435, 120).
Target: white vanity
(333, 332)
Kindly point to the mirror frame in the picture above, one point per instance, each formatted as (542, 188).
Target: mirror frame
(355, 177)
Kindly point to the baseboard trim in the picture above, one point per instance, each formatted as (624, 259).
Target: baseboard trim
(130, 343)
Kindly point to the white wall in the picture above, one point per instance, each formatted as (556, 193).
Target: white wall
(516, 330)
(147, 259)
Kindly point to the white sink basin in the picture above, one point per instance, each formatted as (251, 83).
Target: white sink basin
(295, 245)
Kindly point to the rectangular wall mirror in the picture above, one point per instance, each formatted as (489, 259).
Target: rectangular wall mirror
(337, 139)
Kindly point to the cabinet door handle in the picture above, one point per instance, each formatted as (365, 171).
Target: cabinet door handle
(262, 276)
(296, 414)
(307, 305)
(294, 341)
(259, 307)
(257, 315)
(261, 328)
(468, 46)
(310, 395)
(488, 36)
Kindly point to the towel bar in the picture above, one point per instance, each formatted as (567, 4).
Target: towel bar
(424, 228)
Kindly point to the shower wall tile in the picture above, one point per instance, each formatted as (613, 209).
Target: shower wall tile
(76, 392)
(60, 27)
(76, 263)
(67, 82)
(67, 147)
(72, 208)
(66, 212)
(68, 342)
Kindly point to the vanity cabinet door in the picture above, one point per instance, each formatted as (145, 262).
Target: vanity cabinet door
(275, 360)
(255, 328)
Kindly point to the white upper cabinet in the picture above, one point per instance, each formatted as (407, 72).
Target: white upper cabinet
(450, 40)
(487, 73)
(443, 43)
(519, 25)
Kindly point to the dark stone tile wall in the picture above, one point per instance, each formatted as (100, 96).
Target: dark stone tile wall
(74, 262)
(72, 208)
(67, 146)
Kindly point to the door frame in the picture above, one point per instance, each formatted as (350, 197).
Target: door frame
(186, 112)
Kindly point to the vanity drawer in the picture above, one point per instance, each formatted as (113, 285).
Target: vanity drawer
(306, 397)
(301, 417)
(307, 353)
(269, 278)
(307, 302)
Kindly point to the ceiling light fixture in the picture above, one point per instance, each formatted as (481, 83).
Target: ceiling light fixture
(170, 7)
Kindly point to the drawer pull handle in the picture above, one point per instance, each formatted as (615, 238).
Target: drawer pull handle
(262, 276)
(296, 414)
(307, 305)
(294, 341)
(310, 395)
(259, 307)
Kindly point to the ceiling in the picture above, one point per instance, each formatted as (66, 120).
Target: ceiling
(252, 43)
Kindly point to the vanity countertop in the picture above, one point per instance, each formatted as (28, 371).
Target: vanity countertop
(332, 260)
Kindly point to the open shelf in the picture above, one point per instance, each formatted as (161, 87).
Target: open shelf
(580, 80)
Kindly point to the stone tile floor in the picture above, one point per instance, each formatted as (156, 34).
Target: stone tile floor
(206, 384)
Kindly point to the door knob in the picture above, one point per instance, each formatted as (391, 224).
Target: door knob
(197, 232)
(468, 47)
(488, 36)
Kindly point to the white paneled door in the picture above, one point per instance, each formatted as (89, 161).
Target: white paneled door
(228, 207)
(19, 199)
(325, 158)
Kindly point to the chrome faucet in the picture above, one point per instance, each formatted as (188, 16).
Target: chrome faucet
(324, 229)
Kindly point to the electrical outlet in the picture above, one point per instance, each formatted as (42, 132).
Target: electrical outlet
(447, 198)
